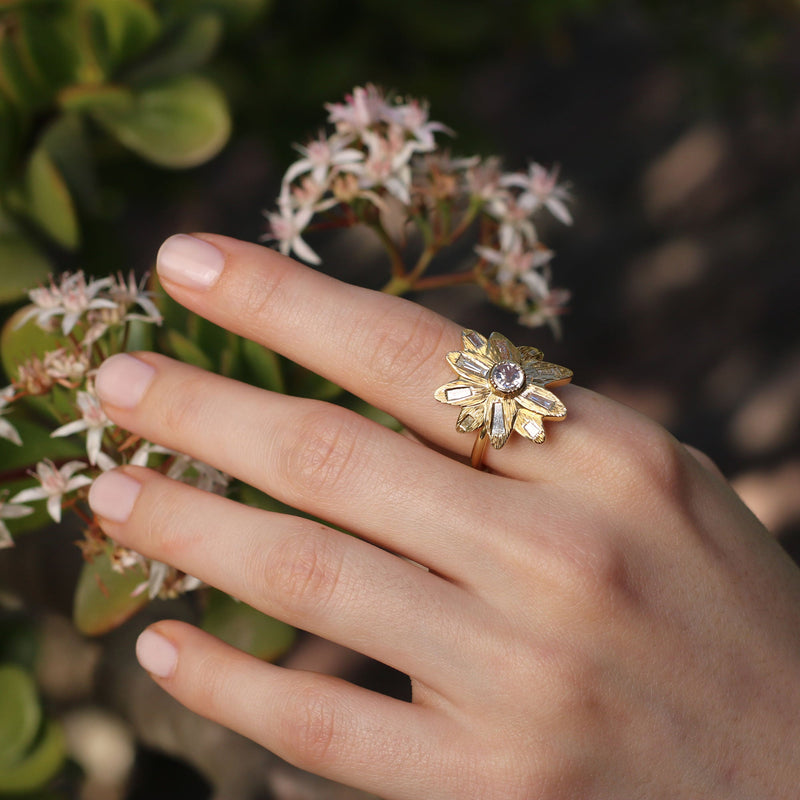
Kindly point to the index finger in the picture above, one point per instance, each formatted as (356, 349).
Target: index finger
(387, 350)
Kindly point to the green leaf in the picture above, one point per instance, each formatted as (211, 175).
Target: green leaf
(88, 97)
(18, 342)
(18, 79)
(121, 30)
(104, 598)
(22, 266)
(51, 45)
(179, 123)
(20, 714)
(186, 350)
(263, 367)
(46, 200)
(245, 628)
(39, 765)
(188, 46)
(10, 137)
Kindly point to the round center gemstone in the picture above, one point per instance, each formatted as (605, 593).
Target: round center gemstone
(507, 377)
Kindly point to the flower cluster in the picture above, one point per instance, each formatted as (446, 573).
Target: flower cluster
(89, 320)
(378, 163)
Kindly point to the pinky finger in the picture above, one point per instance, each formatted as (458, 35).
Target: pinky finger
(319, 723)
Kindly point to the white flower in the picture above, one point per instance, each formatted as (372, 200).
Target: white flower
(7, 430)
(131, 293)
(386, 164)
(550, 306)
(70, 300)
(413, 118)
(287, 225)
(360, 110)
(55, 483)
(540, 188)
(516, 263)
(320, 157)
(65, 367)
(199, 474)
(516, 227)
(10, 511)
(93, 420)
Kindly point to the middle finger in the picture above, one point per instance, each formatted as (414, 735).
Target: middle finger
(314, 456)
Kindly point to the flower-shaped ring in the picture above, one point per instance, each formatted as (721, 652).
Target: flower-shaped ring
(502, 388)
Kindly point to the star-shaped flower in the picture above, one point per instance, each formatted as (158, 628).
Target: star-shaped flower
(501, 387)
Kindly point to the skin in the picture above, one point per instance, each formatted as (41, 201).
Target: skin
(600, 616)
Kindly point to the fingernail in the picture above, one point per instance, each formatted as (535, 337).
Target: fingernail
(189, 261)
(122, 380)
(156, 654)
(113, 494)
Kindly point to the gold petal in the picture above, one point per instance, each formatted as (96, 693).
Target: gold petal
(501, 349)
(529, 425)
(461, 393)
(470, 419)
(543, 373)
(472, 366)
(528, 353)
(474, 342)
(542, 402)
(500, 415)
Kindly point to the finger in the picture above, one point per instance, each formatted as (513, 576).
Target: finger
(319, 723)
(324, 459)
(297, 570)
(385, 349)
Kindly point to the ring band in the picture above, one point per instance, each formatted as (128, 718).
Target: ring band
(502, 388)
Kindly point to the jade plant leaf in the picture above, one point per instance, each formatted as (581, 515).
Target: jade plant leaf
(121, 30)
(186, 350)
(39, 765)
(243, 627)
(46, 200)
(20, 714)
(189, 45)
(178, 123)
(262, 367)
(22, 265)
(104, 599)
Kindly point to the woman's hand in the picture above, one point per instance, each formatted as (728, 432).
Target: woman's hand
(597, 617)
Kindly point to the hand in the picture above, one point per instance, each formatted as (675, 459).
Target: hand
(597, 617)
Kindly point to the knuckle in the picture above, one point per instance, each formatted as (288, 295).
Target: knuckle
(321, 452)
(404, 342)
(304, 572)
(311, 728)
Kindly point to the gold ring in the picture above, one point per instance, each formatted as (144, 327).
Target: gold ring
(502, 388)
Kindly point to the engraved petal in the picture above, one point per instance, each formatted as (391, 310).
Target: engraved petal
(470, 419)
(528, 353)
(501, 349)
(529, 425)
(474, 342)
(500, 415)
(542, 402)
(470, 365)
(543, 373)
(461, 393)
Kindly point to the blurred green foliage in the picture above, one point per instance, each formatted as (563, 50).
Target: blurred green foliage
(75, 74)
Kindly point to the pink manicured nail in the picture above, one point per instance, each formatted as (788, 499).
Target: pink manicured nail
(122, 380)
(113, 494)
(156, 654)
(190, 262)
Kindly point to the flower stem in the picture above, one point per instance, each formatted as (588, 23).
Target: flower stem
(395, 256)
(444, 281)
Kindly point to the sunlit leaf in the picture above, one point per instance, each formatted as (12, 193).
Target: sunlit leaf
(178, 123)
(245, 628)
(20, 714)
(43, 761)
(104, 598)
(88, 97)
